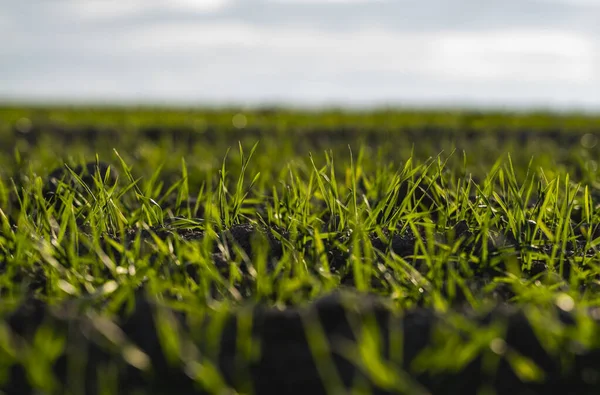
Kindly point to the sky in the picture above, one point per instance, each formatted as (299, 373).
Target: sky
(354, 53)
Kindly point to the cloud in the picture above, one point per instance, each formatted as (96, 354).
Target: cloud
(518, 55)
(593, 3)
(170, 51)
(499, 55)
(321, 2)
(100, 9)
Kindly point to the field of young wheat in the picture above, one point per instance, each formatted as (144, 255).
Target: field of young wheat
(293, 252)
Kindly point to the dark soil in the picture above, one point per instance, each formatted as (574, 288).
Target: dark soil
(285, 363)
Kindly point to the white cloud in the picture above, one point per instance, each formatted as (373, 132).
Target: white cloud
(323, 1)
(518, 55)
(229, 59)
(575, 2)
(493, 56)
(98, 9)
(195, 5)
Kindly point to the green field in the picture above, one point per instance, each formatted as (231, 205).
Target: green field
(284, 251)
